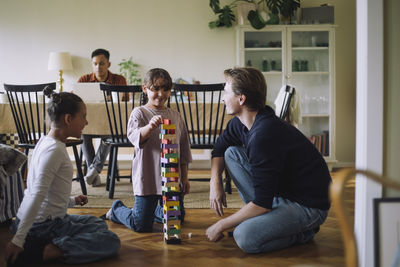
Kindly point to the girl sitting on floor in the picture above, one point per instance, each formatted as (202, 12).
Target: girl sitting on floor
(43, 231)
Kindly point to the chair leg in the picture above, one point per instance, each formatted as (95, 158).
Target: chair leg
(110, 159)
(228, 183)
(117, 172)
(83, 162)
(113, 173)
(79, 170)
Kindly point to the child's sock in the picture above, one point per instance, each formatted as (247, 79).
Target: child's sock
(106, 216)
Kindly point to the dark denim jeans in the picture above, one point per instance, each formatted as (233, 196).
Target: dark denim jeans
(78, 236)
(95, 159)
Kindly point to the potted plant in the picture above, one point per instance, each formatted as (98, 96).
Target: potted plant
(287, 8)
(130, 71)
(258, 19)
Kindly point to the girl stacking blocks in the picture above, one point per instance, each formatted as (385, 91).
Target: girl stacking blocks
(170, 183)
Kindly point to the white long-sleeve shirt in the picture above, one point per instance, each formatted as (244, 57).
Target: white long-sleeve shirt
(47, 195)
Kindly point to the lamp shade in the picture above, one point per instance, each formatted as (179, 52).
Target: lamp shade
(60, 61)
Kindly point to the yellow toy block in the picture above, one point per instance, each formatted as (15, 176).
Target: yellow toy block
(170, 174)
(168, 126)
(173, 160)
(172, 203)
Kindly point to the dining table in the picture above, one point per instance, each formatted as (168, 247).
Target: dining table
(96, 116)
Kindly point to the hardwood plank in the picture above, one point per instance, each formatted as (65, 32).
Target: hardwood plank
(148, 249)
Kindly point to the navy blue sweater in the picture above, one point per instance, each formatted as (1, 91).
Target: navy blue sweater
(283, 161)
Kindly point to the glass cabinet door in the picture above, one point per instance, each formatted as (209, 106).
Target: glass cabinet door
(308, 69)
(302, 56)
(263, 50)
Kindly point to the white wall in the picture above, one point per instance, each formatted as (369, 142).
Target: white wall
(172, 34)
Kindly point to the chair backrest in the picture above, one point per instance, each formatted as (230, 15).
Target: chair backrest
(120, 100)
(339, 206)
(203, 111)
(289, 91)
(29, 110)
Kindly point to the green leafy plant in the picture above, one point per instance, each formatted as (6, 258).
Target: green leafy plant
(286, 7)
(226, 17)
(130, 71)
(273, 6)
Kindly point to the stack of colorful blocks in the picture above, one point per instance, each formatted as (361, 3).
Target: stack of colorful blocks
(170, 183)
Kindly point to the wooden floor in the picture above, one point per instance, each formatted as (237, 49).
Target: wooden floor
(149, 249)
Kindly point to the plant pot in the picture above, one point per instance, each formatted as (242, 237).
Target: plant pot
(242, 12)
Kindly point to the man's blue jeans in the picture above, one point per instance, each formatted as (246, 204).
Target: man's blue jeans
(94, 159)
(82, 238)
(145, 211)
(288, 222)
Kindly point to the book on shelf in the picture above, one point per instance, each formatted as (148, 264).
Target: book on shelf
(321, 142)
(327, 143)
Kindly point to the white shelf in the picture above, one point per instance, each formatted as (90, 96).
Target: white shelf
(313, 48)
(263, 49)
(315, 115)
(310, 73)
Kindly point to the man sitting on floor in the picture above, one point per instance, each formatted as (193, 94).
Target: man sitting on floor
(280, 175)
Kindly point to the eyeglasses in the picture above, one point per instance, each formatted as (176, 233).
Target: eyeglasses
(158, 88)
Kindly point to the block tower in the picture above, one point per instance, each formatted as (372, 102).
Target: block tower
(170, 183)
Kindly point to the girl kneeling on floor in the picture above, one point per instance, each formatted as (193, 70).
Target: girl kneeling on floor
(143, 132)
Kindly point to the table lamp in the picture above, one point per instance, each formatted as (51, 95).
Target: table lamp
(60, 61)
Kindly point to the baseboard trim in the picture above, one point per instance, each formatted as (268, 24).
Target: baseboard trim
(344, 164)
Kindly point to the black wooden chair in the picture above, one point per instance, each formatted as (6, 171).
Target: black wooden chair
(118, 111)
(203, 111)
(28, 108)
